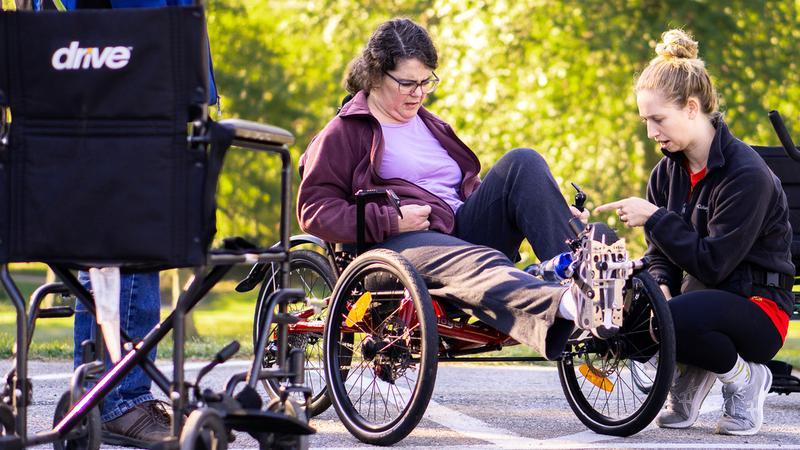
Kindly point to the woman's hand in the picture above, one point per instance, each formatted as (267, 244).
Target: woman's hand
(415, 218)
(665, 291)
(583, 216)
(632, 211)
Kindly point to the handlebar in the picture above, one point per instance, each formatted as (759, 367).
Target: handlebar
(783, 135)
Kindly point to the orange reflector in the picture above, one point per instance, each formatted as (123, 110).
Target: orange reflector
(359, 309)
(596, 379)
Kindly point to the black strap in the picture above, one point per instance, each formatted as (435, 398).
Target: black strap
(772, 279)
(93, 4)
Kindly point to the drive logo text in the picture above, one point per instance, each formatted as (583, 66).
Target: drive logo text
(74, 57)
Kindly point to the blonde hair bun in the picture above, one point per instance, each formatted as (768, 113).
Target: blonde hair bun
(677, 44)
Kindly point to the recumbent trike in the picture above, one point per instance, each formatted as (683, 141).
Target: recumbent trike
(108, 159)
(374, 331)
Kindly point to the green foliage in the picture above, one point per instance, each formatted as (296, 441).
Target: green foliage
(554, 76)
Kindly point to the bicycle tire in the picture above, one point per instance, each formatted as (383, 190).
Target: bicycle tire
(596, 386)
(301, 264)
(397, 345)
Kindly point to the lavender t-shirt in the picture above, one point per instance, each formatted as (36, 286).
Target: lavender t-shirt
(412, 153)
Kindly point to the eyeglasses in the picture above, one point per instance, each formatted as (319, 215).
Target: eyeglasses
(407, 87)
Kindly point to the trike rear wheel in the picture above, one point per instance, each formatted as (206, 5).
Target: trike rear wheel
(311, 272)
(603, 379)
(380, 346)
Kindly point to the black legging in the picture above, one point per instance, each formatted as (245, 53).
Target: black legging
(712, 326)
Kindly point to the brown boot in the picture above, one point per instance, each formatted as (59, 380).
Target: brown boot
(142, 426)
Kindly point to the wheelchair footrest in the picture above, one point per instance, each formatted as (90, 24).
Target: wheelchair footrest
(258, 421)
(783, 382)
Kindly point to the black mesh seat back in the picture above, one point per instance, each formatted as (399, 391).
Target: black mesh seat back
(788, 171)
(98, 170)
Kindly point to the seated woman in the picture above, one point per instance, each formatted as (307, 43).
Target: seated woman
(716, 213)
(461, 234)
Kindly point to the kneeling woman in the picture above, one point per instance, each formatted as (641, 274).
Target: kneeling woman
(717, 225)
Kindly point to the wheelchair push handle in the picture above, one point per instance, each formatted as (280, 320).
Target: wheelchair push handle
(783, 135)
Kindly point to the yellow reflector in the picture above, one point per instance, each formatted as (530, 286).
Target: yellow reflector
(359, 309)
(598, 380)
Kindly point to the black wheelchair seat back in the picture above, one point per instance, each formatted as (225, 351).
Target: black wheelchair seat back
(788, 172)
(95, 103)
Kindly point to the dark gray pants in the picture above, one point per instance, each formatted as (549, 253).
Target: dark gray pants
(473, 270)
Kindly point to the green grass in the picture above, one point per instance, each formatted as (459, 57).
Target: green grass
(223, 316)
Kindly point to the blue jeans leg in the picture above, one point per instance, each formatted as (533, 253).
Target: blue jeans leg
(139, 308)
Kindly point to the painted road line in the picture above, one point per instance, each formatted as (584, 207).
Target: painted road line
(616, 445)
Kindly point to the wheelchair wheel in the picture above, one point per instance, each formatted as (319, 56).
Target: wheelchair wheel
(381, 347)
(312, 272)
(204, 430)
(91, 427)
(598, 376)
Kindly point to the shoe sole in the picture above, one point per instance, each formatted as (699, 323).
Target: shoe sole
(110, 438)
(762, 396)
(709, 383)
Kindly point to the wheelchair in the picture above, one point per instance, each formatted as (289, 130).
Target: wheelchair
(383, 335)
(784, 161)
(108, 159)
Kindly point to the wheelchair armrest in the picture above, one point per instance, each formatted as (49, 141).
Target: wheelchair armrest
(259, 133)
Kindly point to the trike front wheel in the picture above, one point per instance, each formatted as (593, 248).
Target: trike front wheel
(603, 379)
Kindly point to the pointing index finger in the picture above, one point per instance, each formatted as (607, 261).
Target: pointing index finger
(608, 206)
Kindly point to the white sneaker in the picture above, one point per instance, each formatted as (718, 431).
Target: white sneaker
(685, 398)
(743, 407)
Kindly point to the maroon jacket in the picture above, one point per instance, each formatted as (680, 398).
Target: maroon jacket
(344, 158)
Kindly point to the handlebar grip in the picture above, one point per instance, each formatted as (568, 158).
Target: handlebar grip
(783, 135)
(227, 352)
(576, 225)
(580, 198)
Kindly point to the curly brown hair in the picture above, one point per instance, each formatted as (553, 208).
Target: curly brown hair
(392, 42)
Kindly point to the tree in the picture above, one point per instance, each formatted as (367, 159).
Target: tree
(555, 76)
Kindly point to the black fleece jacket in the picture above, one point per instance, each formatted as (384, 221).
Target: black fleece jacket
(735, 223)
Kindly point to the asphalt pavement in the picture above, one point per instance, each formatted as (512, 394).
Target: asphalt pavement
(483, 407)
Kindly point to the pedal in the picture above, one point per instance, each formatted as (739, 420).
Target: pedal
(604, 267)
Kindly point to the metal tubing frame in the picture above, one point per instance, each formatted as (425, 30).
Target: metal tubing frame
(196, 290)
(19, 390)
(278, 297)
(285, 244)
(85, 297)
(36, 299)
